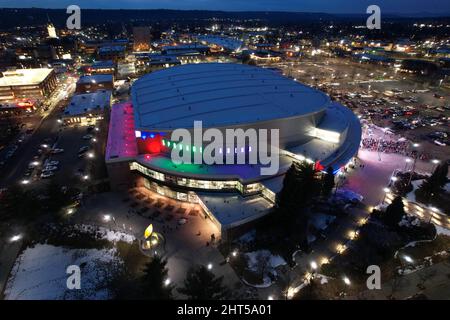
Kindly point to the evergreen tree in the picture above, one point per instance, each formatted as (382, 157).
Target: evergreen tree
(328, 182)
(201, 284)
(394, 212)
(152, 282)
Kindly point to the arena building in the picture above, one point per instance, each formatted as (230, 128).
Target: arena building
(224, 96)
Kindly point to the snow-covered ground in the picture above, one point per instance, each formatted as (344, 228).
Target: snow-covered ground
(411, 196)
(40, 273)
(104, 233)
(441, 230)
(273, 261)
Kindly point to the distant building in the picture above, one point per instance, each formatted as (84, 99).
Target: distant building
(103, 67)
(141, 36)
(87, 108)
(27, 83)
(51, 31)
(158, 62)
(88, 84)
(113, 53)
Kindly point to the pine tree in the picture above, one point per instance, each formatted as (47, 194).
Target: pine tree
(328, 182)
(394, 212)
(152, 282)
(201, 284)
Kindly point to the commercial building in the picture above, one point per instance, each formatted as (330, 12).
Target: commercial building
(87, 108)
(103, 67)
(224, 96)
(88, 84)
(27, 83)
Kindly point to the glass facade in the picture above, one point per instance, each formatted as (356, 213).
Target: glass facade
(217, 185)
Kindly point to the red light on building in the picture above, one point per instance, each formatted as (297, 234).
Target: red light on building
(318, 166)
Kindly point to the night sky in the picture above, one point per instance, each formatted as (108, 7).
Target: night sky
(328, 6)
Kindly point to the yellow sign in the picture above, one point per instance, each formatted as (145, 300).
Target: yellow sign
(148, 232)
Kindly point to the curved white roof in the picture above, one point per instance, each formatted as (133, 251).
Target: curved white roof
(219, 94)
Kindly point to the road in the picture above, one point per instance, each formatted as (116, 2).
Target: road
(48, 127)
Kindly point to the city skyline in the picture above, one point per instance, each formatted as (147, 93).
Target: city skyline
(401, 7)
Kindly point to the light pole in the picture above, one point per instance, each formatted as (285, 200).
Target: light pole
(436, 163)
(408, 160)
(379, 140)
(386, 191)
(415, 153)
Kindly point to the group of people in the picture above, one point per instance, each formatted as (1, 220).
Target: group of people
(386, 146)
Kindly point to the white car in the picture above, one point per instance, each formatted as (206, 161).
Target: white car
(439, 143)
(47, 174)
(50, 168)
(54, 151)
(53, 163)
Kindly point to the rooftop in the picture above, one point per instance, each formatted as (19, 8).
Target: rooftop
(219, 94)
(84, 103)
(232, 209)
(24, 76)
(121, 140)
(98, 78)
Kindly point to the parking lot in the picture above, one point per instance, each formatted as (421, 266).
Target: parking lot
(416, 109)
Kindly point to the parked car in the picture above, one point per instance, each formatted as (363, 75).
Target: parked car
(53, 163)
(88, 137)
(55, 151)
(50, 168)
(83, 149)
(47, 174)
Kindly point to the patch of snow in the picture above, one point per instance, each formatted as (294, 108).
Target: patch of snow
(107, 234)
(274, 261)
(411, 196)
(442, 230)
(39, 273)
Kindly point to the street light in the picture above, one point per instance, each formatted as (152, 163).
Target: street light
(15, 238)
(347, 281)
(408, 259)
(167, 282)
(107, 218)
(209, 266)
(313, 265)
(270, 297)
(25, 181)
